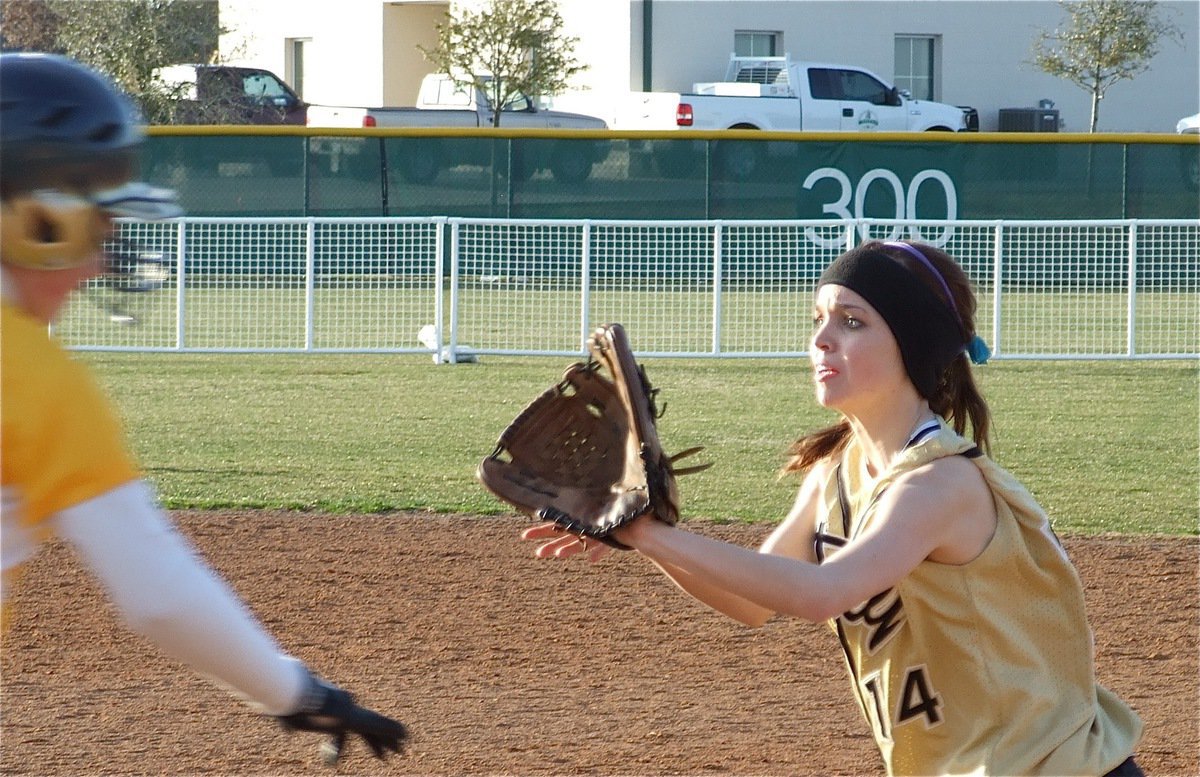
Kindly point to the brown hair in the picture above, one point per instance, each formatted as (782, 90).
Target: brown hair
(957, 397)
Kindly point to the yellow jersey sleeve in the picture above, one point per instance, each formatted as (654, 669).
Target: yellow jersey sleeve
(61, 442)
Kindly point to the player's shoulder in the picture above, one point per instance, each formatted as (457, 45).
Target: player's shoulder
(808, 496)
(36, 370)
(943, 459)
(20, 329)
(818, 475)
(948, 486)
(953, 472)
(824, 469)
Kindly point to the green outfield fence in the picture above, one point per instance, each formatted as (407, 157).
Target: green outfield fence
(1087, 289)
(732, 174)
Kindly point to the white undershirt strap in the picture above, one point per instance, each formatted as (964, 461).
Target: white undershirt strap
(922, 431)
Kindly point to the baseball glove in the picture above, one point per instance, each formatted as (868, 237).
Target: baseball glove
(585, 453)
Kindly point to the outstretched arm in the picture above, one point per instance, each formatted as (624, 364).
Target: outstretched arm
(557, 543)
(793, 538)
(942, 511)
(168, 594)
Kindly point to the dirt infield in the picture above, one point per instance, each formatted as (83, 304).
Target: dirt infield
(502, 664)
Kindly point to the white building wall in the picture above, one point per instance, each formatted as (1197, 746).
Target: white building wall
(361, 49)
(986, 46)
(609, 42)
(344, 58)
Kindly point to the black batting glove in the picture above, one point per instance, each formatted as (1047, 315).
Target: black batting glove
(330, 710)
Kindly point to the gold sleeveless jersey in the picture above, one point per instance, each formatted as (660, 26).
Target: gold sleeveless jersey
(60, 443)
(983, 668)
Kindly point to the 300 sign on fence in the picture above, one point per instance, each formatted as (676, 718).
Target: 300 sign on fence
(905, 201)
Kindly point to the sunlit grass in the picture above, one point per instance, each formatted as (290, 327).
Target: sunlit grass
(1105, 446)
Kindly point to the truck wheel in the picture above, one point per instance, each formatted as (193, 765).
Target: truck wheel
(675, 163)
(420, 161)
(170, 169)
(734, 161)
(569, 165)
(362, 166)
(523, 166)
(283, 167)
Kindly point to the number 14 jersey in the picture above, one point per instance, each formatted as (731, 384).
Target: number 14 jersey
(980, 668)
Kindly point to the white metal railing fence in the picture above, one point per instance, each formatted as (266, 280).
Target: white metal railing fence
(1047, 289)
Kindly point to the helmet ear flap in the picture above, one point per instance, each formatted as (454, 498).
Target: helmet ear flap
(47, 230)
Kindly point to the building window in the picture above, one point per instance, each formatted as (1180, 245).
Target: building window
(915, 65)
(756, 44)
(295, 64)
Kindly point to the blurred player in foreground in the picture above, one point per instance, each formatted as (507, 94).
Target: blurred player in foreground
(69, 143)
(960, 618)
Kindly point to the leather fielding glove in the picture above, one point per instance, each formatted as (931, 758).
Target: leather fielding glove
(585, 453)
(330, 710)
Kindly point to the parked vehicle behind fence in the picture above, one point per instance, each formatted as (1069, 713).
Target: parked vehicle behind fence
(443, 102)
(776, 93)
(223, 94)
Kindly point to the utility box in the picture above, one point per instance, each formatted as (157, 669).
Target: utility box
(1029, 120)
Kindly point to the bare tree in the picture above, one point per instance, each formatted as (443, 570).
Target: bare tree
(1102, 42)
(507, 49)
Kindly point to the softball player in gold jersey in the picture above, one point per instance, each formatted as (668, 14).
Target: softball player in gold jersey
(69, 144)
(960, 618)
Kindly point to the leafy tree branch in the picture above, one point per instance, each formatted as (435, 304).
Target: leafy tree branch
(1101, 43)
(507, 49)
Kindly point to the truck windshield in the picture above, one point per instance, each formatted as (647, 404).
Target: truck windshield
(832, 84)
(264, 85)
(516, 100)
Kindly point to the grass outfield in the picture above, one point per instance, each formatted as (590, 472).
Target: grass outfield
(1107, 446)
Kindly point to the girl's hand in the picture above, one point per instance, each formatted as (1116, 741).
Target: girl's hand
(559, 544)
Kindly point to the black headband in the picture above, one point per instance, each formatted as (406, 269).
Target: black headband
(925, 327)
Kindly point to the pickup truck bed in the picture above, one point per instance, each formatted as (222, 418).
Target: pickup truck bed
(444, 103)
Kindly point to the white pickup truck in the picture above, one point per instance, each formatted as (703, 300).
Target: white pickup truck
(775, 93)
(441, 102)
